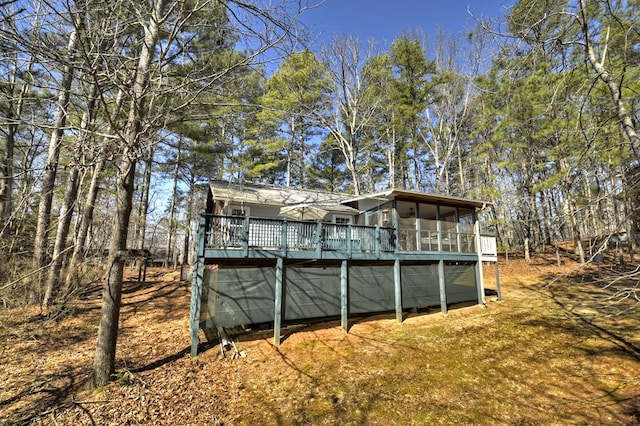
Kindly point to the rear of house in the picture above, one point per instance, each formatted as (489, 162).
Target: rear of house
(269, 254)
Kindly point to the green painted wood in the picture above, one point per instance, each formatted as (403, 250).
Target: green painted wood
(461, 282)
(234, 296)
(478, 272)
(397, 289)
(442, 286)
(371, 288)
(311, 291)
(196, 287)
(245, 236)
(420, 286)
(283, 239)
(222, 255)
(498, 282)
(344, 294)
(277, 317)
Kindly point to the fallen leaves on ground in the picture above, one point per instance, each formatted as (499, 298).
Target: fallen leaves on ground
(534, 358)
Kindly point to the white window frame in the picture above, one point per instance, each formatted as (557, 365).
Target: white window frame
(337, 217)
(238, 208)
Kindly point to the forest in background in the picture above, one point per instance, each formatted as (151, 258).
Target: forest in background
(104, 106)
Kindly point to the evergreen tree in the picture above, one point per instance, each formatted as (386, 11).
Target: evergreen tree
(294, 95)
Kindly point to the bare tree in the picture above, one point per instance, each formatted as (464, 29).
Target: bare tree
(354, 102)
(55, 145)
(597, 51)
(104, 361)
(266, 28)
(70, 198)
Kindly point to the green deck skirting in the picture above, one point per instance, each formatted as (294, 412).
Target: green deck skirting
(301, 270)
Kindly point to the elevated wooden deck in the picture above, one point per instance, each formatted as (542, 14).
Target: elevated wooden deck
(362, 269)
(232, 237)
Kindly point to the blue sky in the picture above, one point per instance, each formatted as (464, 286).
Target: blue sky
(385, 20)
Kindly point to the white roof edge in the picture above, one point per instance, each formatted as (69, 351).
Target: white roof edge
(424, 195)
(317, 197)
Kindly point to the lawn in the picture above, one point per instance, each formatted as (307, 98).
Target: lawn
(554, 351)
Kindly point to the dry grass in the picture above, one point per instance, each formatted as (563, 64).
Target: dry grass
(548, 354)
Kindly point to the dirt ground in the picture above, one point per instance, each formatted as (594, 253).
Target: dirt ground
(556, 350)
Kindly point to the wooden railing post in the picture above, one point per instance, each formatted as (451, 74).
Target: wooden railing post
(319, 240)
(283, 238)
(245, 236)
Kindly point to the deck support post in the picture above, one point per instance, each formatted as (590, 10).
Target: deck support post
(397, 289)
(196, 287)
(344, 294)
(277, 317)
(479, 277)
(498, 281)
(443, 287)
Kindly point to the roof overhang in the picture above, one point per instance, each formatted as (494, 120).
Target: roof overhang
(272, 195)
(416, 196)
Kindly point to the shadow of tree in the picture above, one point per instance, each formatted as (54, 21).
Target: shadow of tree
(163, 361)
(48, 393)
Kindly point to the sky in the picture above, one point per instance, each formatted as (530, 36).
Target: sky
(385, 20)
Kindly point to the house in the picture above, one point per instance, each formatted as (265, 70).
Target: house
(272, 254)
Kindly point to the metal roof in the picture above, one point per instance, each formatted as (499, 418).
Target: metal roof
(408, 195)
(273, 195)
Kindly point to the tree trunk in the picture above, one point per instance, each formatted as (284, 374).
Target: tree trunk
(69, 202)
(51, 168)
(143, 208)
(172, 211)
(6, 164)
(85, 221)
(64, 222)
(6, 183)
(626, 120)
(104, 361)
(87, 214)
(575, 228)
(189, 208)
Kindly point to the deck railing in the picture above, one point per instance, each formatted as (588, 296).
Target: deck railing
(233, 232)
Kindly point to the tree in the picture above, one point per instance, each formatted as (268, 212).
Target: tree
(55, 145)
(411, 89)
(353, 104)
(295, 94)
(327, 171)
(168, 19)
(610, 42)
(379, 153)
(14, 90)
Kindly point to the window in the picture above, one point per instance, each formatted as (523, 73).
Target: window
(239, 211)
(342, 220)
